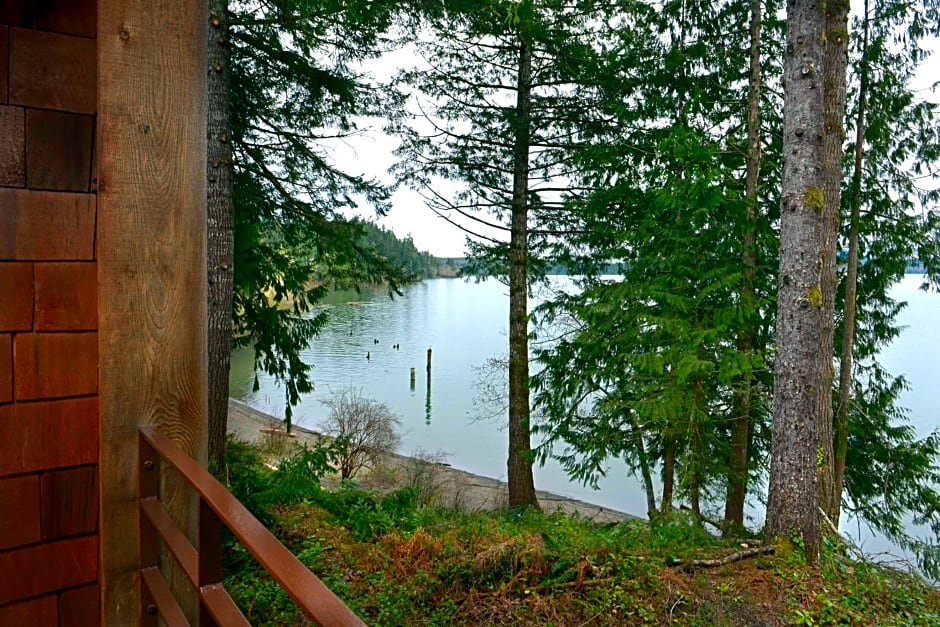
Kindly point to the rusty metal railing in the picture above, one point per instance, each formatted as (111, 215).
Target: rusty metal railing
(203, 565)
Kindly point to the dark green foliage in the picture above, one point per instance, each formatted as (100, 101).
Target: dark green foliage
(402, 254)
(294, 89)
(645, 364)
(397, 564)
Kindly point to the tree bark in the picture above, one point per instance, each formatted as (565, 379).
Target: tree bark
(741, 402)
(519, 464)
(836, 57)
(793, 499)
(645, 472)
(220, 230)
(841, 426)
(669, 475)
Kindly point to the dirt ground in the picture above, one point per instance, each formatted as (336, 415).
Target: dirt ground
(436, 481)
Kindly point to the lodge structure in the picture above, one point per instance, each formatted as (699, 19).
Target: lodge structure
(103, 325)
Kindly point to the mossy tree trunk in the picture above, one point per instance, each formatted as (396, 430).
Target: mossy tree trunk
(793, 499)
(834, 67)
(519, 464)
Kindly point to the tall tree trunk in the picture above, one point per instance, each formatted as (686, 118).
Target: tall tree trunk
(644, 462)
(793, 499)
(669, 474)
(220, 230)
(741, 402)
(841, 426)
(834, 66)
(519, 465)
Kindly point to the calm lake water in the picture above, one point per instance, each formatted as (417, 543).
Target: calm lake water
(465, 323)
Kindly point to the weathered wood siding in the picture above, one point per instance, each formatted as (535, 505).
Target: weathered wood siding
(49, 420)
(151, 130)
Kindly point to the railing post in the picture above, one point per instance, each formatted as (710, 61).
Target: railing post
(148, 485)
(210, 558)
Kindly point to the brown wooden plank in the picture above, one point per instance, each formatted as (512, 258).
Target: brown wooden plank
(58, 150)
(16, 284)
(66, 296)
(46, 225)
(151, 261)
(71, 17)
(69, 502)
(19, 511)
(52, 71)
(50, 434)
(221, 608)
(317, 601)
(173, 538)
(6, 367)
(78, 607)
(29, 572)
(54, 365)
(35, 613)
(12, 135)
(167, 607)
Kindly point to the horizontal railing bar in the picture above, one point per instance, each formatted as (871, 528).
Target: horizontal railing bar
(173, 537)
(222, 607)
(162, 597)
(317, 601)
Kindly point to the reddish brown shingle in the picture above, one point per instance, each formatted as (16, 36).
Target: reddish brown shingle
(19, 504)
(46, 225)
(12, 140)
(16, 294)
(52, 71)
(66, 296)
(26, 573)
(48, 434)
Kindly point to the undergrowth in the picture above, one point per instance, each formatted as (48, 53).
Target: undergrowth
(395, 562)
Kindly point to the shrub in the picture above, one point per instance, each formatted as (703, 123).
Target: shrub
(365, 427)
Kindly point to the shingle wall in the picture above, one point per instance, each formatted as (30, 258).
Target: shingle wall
(48, 315)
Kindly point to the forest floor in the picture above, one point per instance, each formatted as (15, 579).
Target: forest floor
(436, 553)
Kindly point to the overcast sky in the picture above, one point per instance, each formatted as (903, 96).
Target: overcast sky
(370, 154)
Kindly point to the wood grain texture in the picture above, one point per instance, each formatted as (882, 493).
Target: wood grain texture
(37, 613)
(19, 504)
(12, 138)
(78, 607)
(52, 71)
(58, 150)
(6, 367)
(48, 434)
(16, 285)
(54, 365)
(46, 225)
(151, 261)
(5, 66)
(69, 502)
(27, 573)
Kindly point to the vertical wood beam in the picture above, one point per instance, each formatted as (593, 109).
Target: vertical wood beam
(151, 148)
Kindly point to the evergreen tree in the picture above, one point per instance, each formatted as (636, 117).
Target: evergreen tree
(284, 71)
(496, 95)
(649, 367)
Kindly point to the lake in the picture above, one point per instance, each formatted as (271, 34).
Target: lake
(465, 323)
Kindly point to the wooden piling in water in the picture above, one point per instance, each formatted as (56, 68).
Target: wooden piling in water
(429, 363)
(412, 379)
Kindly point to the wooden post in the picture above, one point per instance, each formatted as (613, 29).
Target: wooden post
(429, 364)
(427, 403)
(413, 379)
(151, 147)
